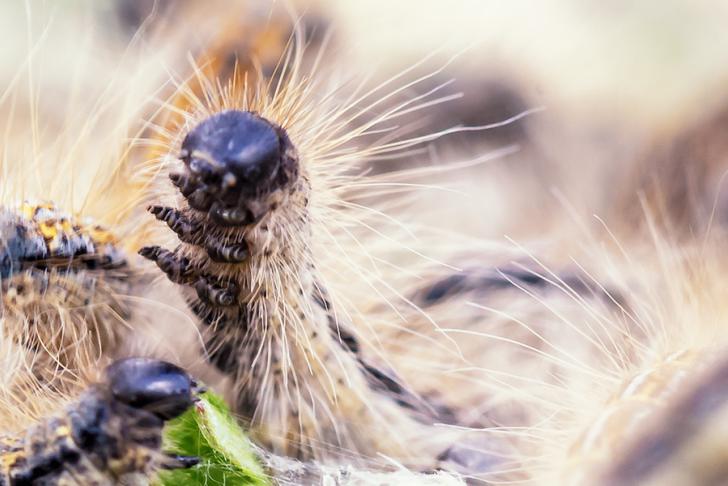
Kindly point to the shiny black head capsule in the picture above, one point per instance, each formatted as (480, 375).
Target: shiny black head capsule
(149, 384)
(233, 161)
(239, 144)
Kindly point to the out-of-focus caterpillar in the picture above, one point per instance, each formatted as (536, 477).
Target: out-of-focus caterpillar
(51, 333)
(110, 434)
(70, 294)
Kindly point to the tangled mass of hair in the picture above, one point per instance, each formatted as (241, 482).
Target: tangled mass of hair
(251, 242)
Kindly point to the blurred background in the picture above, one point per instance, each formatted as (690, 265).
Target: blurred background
(629, 98)
(634, 97)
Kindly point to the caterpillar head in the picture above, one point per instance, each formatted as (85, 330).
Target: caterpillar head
(152, 385)
(239, 175)
(237, 167)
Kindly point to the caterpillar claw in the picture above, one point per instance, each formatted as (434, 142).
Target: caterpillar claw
(222, 253)
(186, 229)
(182, 182)
(177, 269)
(215, 293)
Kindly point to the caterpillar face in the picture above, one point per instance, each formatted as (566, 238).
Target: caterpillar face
(238, 167)
(155, 386)
(111, 434)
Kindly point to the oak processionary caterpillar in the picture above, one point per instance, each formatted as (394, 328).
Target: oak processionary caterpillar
(355, 344)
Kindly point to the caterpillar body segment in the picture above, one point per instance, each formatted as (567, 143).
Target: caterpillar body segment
(61, 308)
(111, 434)
(67, 309)
(677, 442)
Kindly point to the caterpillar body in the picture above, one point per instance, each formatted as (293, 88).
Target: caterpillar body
(110, 435)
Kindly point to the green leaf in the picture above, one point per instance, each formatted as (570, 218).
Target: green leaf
(209, 432)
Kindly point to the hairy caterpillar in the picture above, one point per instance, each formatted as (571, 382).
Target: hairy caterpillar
(109, 435)
(348, 338)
